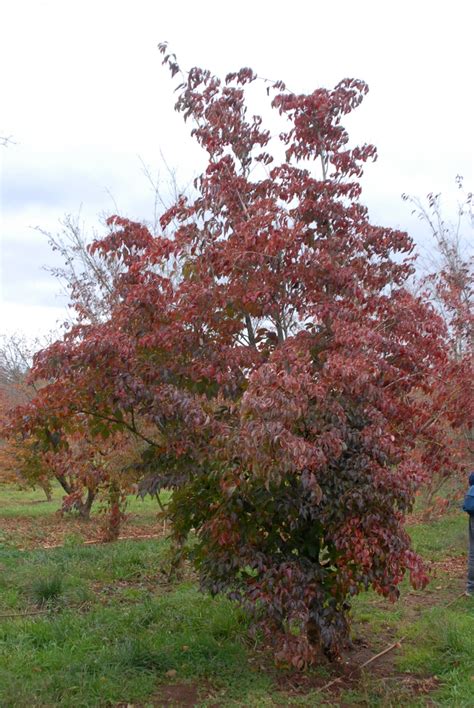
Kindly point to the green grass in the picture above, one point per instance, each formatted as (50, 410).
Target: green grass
(47, 590)
(445, 537)
(107, 641)
(114, 629)
(446, 651)
(29, 503)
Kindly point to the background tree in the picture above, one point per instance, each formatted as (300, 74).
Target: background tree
(15, 361)
(448, 264)
(86, 278)
(447, 277)
(72, 461)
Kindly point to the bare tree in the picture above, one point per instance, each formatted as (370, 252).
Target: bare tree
(6, 140)
(447, 275)
(16, 355)
(448, 263)
(86, 278)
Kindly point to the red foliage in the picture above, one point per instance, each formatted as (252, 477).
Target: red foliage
(266, 352)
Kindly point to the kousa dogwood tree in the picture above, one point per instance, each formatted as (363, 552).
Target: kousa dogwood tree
(265, 350)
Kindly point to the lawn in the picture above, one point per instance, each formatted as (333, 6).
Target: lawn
(104, 625)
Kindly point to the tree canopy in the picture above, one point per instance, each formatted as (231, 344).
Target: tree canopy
(264, 349)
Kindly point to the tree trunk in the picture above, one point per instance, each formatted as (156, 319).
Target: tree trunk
(47, 491)
(84, 507)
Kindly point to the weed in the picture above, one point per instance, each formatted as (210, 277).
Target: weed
(72, 540)
(47, 591)
(135, 655)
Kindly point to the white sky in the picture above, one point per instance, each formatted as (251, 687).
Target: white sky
(84, 96)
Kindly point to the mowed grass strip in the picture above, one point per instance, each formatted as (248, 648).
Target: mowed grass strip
(118, 653)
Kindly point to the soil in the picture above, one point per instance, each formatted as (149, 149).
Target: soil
(177, 695)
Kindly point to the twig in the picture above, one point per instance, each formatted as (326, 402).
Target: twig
(331, 683)
(25, 614)
(395, 645)
(48, 611)
(100, 542)
(458, 597)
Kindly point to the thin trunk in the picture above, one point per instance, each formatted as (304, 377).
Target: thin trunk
(250, 332)
(84, 507)
(64, 484)
(47, 491)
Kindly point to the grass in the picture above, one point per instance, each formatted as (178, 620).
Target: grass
(47, 590)
(30, 503)
(447, 651)
(121, 644)
(446, 537)
(114, 630)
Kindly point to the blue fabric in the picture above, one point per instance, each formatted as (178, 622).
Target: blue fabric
(468, 505)
(470, 562)
(471, 479)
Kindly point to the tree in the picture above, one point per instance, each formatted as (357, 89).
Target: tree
(86, 278)
(449, 269)
(15, 360)
(266, 352)
(447, 277)
(74, 462)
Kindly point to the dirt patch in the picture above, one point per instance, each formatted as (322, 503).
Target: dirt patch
(350, 674)
(455, 567)
(182, 695)
(345, 675)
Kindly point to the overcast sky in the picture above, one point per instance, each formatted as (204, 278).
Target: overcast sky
(85, 99)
